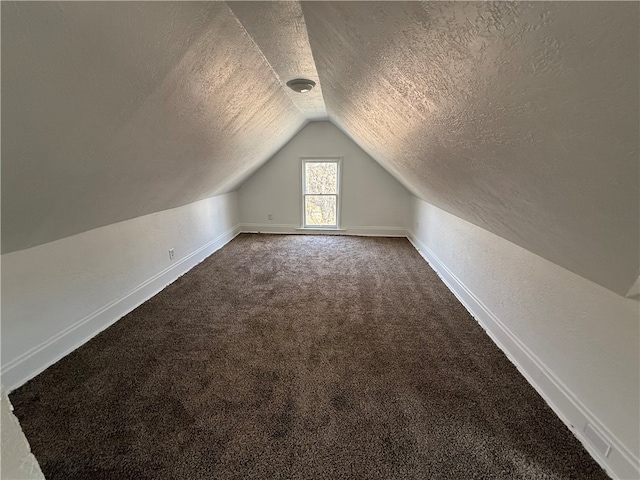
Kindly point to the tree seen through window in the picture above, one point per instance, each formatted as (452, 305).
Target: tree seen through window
(320, 185)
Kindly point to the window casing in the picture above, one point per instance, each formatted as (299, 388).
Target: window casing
(321, 192)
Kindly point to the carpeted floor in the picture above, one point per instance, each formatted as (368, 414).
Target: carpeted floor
(296, 357)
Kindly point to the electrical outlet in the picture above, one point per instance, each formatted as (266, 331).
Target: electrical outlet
(171, 254)
(269, 216)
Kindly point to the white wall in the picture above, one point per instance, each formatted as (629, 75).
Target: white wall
(57, 295)
(16, 460)
(373, 202)
(575, 340)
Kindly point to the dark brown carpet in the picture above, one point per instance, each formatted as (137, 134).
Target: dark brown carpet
(297, 357)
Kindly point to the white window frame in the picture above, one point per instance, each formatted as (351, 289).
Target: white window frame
(338, 194)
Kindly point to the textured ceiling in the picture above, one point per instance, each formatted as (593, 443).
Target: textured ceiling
(522, 118)
(280, 32)
(112, 110)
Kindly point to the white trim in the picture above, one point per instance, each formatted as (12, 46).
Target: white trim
(377, 231)
(289, 229)
(23, 368)
(321, 229)
(268, 228)
(618, 461)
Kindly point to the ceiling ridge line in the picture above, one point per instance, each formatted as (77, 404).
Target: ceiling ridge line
(264, 57)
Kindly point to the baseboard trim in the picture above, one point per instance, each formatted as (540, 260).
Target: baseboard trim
(36, 360)
(616, 460)
(288, 229)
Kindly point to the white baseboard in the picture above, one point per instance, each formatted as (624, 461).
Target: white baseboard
(36, 360)
(289, 229)
(267, 228)
(601, 444)
(377, 231)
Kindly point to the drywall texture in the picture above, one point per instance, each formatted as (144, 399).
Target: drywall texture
(370, 197)
(49, 288)
(586, 335)
(520, 117)
(16, 460)
(279, 30)
(113, 110)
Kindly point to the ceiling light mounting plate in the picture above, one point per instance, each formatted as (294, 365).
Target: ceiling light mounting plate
(301, 85)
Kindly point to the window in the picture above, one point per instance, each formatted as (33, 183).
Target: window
(320, 193)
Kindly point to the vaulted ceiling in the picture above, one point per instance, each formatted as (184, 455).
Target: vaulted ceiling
(522, 118)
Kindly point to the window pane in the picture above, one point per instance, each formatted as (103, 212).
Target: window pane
(320, 210)
(321, 177)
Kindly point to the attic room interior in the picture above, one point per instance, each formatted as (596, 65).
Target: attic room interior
(320, 240)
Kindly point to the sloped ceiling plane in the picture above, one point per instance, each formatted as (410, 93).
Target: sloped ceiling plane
(521, 118)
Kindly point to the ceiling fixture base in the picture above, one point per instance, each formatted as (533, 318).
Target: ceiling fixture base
(301, 85)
